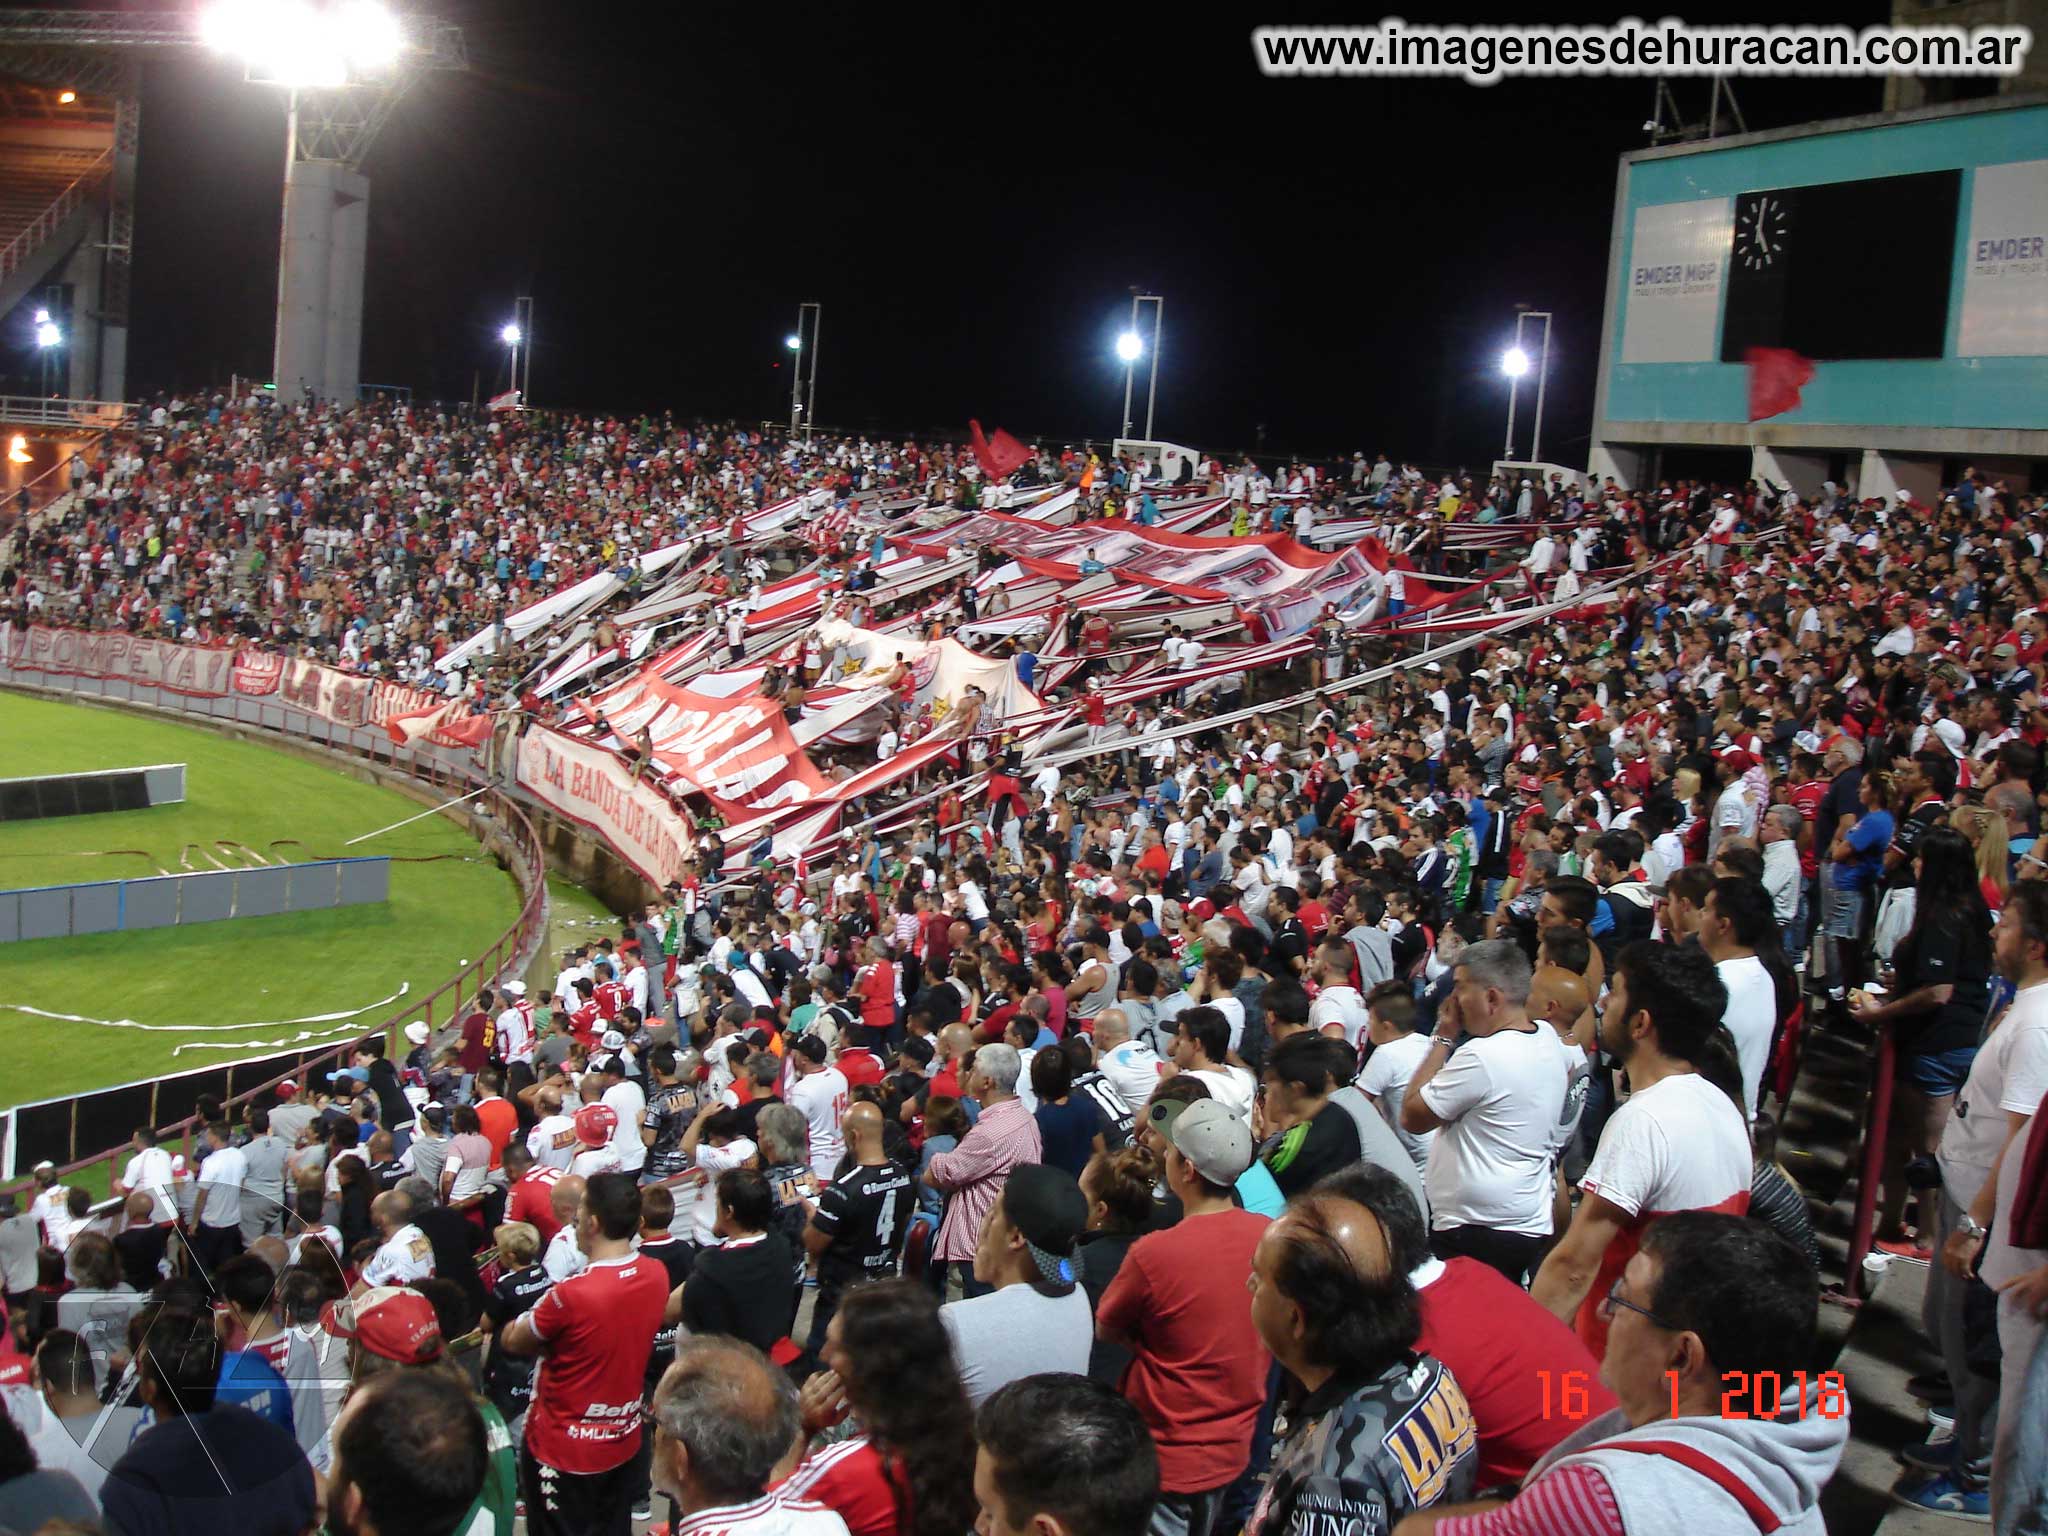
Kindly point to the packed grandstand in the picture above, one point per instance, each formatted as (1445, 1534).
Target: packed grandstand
(1174, 993)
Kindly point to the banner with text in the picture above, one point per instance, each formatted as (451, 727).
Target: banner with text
(1677, 262)
(2005, 263)
(190, 669)
(588, 785)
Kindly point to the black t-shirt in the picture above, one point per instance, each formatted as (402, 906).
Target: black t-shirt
(867, 1211)
(508, 1379)
(670, 1110)
(140, 1250)
(750, 1115)
(679, 1259)
(1303, 1153)
(741, 1289)
(1906, 837)
(1952, 951)
(187, 1474)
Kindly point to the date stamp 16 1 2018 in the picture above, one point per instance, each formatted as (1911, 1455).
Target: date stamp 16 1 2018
(1744, 1395)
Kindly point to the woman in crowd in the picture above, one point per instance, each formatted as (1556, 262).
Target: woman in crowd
(888, 1366)
(1935, 1009)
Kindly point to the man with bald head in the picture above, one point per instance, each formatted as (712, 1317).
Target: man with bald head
(1382, 1430)
(404, 1253)
(856, 1231)
(1130, 1066)
(562, 1256)
(956, 1044)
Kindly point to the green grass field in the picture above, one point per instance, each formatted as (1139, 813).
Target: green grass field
(282, 807)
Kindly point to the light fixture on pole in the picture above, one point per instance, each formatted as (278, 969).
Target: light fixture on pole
(49, 337)
(517, 334)
(1132, 345)
(1515, 364)
(803, 364)
(342, 67)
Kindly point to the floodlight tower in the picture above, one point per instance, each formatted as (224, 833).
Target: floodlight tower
(343, 68)
(346, 64)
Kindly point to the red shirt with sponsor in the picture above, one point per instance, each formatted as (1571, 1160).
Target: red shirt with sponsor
(598, 1328)
(611, 997)
(532, 1199)
(583, 1024)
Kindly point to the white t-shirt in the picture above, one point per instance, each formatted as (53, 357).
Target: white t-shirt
(1232, 1009)
(405, 1256)
(1751, 1017)
(629, 1104)
(1132, 1070)
(1677, 1145)
(562, 1258)
(221, 1177)
(2009, 1076)
(1343, 1006)
(150, 1169)
(751, 987)
(1385, 1080)
(1499, 1097)
(1232, 1087)
(1734, 815)
(822, 1097)
(552, 1141)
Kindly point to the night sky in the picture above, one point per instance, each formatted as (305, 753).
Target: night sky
(970, 191)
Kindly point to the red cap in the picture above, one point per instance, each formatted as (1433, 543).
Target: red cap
(389, 1321)
(595, 1124)
(1202, 910)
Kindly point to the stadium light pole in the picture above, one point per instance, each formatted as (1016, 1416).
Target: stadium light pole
(1129, 348)
(49, 337)
(512, 335)
(1514, 363)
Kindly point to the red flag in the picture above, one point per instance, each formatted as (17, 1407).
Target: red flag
(998, 459)
(451, 724)
(1776, 376)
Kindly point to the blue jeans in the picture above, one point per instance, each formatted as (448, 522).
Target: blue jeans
(1489, 896)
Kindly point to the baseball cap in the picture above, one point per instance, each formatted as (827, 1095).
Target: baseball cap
(612, 1040)
(516, 988)
(595, 1123)
(607, 1063)
(1736, 758)
(1046, 1206)
(359, 1074)
(417, 1031)
(435, 1116)
(2005, 650)
(286, 1089)
(45, 1163)
(1951, 735)
(389, 1321)
(1202, 910)
(1214, 1140)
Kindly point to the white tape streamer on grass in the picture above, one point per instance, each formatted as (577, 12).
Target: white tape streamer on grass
(338, 1023)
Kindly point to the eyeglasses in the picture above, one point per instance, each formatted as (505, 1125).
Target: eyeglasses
(1614, 1301)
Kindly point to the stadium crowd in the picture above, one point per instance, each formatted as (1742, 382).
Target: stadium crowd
(1359, 1122)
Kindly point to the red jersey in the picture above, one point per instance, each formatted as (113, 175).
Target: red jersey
(871, 1495)
(479, 1036)
(532, 1199)
(499, 1120)
(583, 1024)
(858, 1066)
(611, 997)
(598, 1327)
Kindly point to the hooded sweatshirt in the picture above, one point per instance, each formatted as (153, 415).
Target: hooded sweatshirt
(1705, 1476)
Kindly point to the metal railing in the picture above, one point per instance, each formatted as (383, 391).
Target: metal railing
(506, 829)
(37, 411)
(17, 251)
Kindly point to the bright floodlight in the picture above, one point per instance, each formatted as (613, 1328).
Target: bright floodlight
(1129, 348)
(510, 335)
(67, 97)
(296, 43)
(1514, 362)
(794, 343)
(47, 334)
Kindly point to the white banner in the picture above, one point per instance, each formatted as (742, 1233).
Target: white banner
(590, 787)
(1677, 264)
(2005, 263)
(191, 669)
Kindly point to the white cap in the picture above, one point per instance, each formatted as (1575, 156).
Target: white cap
(516, 988)
(417, 1031)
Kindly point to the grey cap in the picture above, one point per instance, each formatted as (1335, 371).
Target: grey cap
(1216, 1141)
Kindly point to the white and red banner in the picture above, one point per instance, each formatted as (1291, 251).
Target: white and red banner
(737, 750)
(202, 671)
(589, 786)
(451, 724)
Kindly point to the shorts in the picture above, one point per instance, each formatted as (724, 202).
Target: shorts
(577, 1504)
(1842, 916)
(1939, 1072)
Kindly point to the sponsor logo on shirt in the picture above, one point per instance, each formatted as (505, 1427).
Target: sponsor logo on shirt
(1429, 1438)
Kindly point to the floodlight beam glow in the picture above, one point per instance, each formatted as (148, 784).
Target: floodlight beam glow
(1129, 348)
(300, 44)
(1514, 362)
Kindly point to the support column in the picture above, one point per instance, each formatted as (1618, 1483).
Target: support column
(1886, 474)
(1628, 464)
(1804, 472)
(300, 362)
(347, 258)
